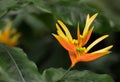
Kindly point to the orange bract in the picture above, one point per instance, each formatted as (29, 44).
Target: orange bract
(75, 47)
(9, 36)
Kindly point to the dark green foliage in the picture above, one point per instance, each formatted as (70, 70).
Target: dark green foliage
(15, 66)
(54, 75)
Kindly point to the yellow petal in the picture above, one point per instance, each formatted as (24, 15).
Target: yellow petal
(95, 42)
(59, 31)
(7, 28)
(7, 31)
(88, 23)
(106, 49)
(88, 16)
(65, 29)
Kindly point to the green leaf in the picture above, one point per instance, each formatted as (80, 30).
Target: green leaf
(54, 75)
(87, 76)
(15, 66)
(4, 4)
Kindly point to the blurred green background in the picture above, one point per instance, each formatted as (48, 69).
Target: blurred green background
(35, 20)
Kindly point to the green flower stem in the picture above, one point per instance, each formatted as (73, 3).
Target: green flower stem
(65, 74)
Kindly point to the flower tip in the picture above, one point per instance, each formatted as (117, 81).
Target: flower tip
(111, 46)
(88, 15)
(96, 14)
(59, 21)
(56, 36)
(106, 35)
(53, 34)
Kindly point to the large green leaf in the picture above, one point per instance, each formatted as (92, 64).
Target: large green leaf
(54, 75)
(15, 66)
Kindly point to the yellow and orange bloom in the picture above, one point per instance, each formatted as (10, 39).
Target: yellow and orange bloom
(75, 47)
(9, 36)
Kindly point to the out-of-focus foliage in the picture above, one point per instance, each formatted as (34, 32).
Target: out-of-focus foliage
(53, 75)
(35, 20)
(15, 67)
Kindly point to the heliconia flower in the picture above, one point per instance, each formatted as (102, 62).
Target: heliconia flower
(9, 36)
(76, 47)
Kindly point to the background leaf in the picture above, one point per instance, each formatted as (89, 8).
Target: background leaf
(15, 66)
(53, 75)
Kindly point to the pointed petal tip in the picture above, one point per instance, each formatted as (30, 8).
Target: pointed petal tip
(93, 15)
(96, 14)
(88, 15)
(109, 47)
(56, 24)
(59, 21)
(105, 36)
(55, 35)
